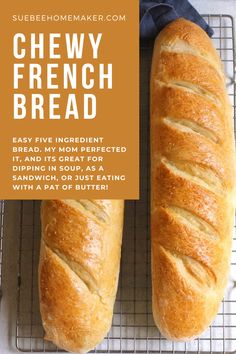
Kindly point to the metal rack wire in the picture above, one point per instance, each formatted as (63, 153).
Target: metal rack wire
(133, 329)
(1, 242)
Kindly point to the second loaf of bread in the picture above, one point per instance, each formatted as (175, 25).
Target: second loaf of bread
(79, 269)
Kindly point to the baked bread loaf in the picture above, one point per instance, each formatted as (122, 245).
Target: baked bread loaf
(192, 181)
(79, 269)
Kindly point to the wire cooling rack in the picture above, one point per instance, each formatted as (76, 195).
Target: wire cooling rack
(133, 329)
(1, 242)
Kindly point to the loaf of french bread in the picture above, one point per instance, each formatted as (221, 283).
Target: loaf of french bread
(192, 181)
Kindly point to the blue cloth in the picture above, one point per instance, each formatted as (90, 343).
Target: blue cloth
(156, 14)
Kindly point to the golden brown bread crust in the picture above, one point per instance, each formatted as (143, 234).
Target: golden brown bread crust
(79, 269)
(192, 181)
